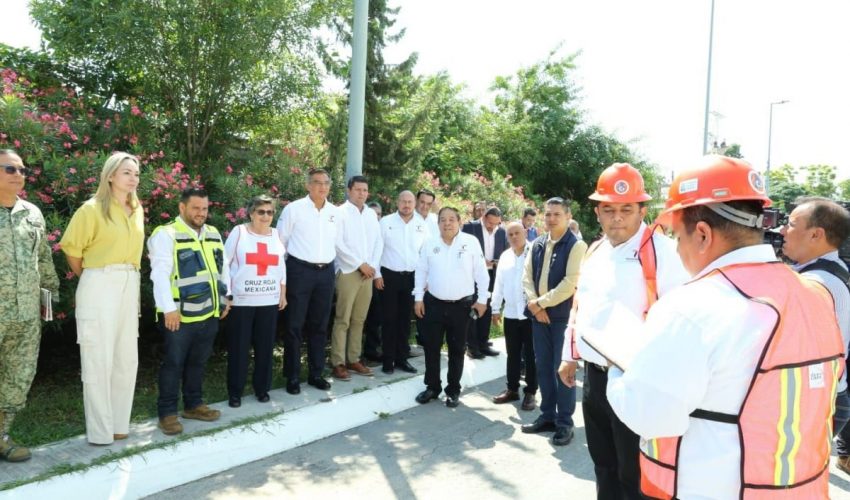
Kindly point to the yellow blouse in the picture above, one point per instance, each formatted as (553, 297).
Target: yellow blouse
(100, 242)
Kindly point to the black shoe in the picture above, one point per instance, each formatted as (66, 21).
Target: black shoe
(472, 354)
(452, 400)
(562, 436)
(234, 402)
(487, 351)
(427, 395)
(263, 398)
(490, 343)
(319, 383)
(538, 426)
(293, 387)
(405, 366)
(388, 369)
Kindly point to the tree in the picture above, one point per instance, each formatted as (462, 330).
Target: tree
(212, 68)
(820, 180)
(734, 151)
(844, 190)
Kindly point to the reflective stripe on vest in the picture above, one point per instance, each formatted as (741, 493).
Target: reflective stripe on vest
(195, 280)
(785, 421)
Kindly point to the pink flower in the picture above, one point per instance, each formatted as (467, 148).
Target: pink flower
(72, 170)
(61, 315)
(229, 216)
(249, 180)
(69, 275)
(165, 215)
(242, 213)
(71, 189)
(17, 143)
(295, 170)
(178, 166)
(67, 145)
(229, 169)
(56, 248)
(134, 140)
(90, 180)
(135, 111)
(86, 139)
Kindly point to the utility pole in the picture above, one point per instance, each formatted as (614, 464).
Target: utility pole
(357, 91)
(708, 82)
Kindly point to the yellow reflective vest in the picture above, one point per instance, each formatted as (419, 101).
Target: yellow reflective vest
(196, 284)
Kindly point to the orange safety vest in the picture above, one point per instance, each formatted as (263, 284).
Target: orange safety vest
(649, 266)
(785, 420)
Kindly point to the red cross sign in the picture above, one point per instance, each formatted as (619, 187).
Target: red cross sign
(262, 259)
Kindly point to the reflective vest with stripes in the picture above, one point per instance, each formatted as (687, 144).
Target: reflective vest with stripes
(195, 281)
(785, 421)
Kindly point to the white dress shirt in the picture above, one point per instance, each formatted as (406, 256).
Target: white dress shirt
(611, 279)
(431, 223)
(402, 241)
(451, 272)
(161, 254)
(309, 233)
(706, 341)
(840, 297)
(489, 243)
(359, 239)
(508, 284)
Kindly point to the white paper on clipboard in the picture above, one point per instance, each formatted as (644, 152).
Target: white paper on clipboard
(620, 339)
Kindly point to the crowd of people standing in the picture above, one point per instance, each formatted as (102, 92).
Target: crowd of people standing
(702, 354)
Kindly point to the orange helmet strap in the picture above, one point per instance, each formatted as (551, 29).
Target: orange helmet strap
(731, 213)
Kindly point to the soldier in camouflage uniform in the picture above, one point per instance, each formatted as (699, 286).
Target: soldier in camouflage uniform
(26, 265)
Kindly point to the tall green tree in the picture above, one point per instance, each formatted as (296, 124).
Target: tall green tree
(213, 69)
(820, 180)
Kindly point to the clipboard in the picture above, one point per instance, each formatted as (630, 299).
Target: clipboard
(46, 305)
(620, 339)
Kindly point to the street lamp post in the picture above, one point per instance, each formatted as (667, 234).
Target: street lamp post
(769, 140)
(708, 82)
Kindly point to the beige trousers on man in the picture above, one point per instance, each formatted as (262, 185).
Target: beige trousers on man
(353, 295)
(108, 330)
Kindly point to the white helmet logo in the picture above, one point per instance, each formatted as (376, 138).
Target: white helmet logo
(756, 181)
(621, 187)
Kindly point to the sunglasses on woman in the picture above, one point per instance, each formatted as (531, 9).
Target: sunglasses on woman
(12, 170)
(260, 211)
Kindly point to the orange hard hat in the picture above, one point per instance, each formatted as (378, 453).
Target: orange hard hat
(715, 179)
(620, 183)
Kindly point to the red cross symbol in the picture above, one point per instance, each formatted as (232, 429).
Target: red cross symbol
(262, 259)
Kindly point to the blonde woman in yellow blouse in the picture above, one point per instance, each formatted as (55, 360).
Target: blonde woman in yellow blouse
(103, 246)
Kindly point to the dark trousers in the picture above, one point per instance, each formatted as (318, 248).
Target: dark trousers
(479, 330)
(451, 319)
(372, 327)
(247, 327)
(557, 401)
(186, 354)
(613, 446)
(519, 344)
(309, 294)
(397, 305)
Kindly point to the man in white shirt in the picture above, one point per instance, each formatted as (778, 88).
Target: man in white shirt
(308, 229)
(507, 289)
(612, 285)
(733, 391)
(451, 268)
(372, 327)
(425, 201)
(815, 231)
(402, 234)
(493, 242)
(358, 256)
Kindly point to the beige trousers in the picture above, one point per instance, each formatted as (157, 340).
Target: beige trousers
(108, 330)
(353, 295)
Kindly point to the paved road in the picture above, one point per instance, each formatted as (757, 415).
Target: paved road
(428, 452)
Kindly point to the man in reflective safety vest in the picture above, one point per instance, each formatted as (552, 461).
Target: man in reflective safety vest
(189, 289)
(733, 394)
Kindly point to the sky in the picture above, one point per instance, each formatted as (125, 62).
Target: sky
(642, 66)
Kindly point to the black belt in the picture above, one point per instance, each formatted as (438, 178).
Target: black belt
(403, 273)
(468, 298)
(311, 265)
(603, 369)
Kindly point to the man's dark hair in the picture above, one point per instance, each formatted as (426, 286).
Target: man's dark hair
(355, 179)
(829, 216)
(557, 200)
(192, 191)
(374, 204)
(317, 171)
(529, 211)
(451, 209)
(493, 211)
(426, 192)
(739, 235)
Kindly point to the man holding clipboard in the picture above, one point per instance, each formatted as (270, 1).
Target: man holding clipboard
(621, 276)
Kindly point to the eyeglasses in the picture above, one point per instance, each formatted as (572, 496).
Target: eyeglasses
(12, 170)
(260, 211)
(321, 183)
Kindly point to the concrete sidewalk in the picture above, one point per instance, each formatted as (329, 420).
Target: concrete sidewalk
(149, 461)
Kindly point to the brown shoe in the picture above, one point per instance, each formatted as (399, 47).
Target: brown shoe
(339, 372)
(170, 425)
(360, 369)
(119, 437)
(843, 464)
(12, 452)
(202, 412)
(529, 401)
(506, 396)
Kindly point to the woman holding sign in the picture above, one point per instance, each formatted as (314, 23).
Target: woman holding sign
(258, 285)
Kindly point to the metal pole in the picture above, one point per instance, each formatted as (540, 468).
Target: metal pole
(708, 82)
(769, 141)
(357, 89)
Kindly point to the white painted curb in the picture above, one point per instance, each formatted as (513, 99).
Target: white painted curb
(160, 469)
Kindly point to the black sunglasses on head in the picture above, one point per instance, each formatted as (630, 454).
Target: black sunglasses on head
(12, 170)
